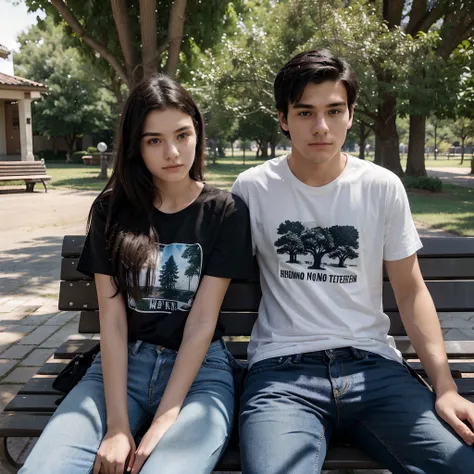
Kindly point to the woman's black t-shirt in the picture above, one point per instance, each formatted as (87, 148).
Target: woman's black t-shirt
(209, 237)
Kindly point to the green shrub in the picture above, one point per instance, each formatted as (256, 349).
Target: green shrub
(50, 155)
(435, 185)
(77, 157)
(91, 149)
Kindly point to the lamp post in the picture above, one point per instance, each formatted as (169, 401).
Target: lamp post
(102, 148)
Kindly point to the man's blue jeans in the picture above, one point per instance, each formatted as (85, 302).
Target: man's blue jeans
(291, 406)
(194, 443)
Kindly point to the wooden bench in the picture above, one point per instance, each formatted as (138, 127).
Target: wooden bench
(448, 268)
(31, 172)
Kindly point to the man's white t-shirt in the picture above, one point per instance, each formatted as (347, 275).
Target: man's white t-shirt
(320, 251)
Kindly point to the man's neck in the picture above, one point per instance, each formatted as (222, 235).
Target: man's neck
(317, 174)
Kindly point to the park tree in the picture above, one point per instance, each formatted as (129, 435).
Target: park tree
(436, 74)
(346, 242)
(138, 38)
(75, 103)
(463, 128)
(193, 254)
(239, 74)
(290, 241)
(169, 274)
(318, 241)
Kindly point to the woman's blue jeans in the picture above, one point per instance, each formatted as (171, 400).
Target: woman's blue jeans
(194, 443)
(292, 406)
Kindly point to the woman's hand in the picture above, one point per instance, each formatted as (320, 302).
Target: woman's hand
(113, 452)
(148, 443)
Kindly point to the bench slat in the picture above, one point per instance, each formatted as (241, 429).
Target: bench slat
(454, 349)
(40, 386)
(431, 268)
(35, 403)
(432, 246)
(52, 368)
(17, 424)
(447, 296)
(69, 349)
(21, 177)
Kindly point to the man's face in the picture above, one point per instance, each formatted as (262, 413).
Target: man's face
(318, 122)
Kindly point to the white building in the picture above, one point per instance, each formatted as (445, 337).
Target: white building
(16, 94)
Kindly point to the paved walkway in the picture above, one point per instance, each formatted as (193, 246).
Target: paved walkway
(31, 327)
(458, 176)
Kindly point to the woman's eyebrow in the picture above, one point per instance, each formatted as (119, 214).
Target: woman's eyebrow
(157, 134)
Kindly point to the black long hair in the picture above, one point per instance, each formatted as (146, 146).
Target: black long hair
(130, 193)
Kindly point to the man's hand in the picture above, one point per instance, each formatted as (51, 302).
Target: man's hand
(113, 453)
(148, 443)
(455, 410)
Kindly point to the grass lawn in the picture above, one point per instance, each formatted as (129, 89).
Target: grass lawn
(452, 210)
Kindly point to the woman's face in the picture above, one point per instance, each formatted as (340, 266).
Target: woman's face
(168, 144)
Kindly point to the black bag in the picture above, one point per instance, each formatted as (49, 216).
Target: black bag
(70, 376)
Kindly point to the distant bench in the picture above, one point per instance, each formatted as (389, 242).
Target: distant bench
(447, 265)
(31, 172)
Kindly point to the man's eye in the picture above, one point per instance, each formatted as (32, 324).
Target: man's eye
(304, 114)
(335, 112)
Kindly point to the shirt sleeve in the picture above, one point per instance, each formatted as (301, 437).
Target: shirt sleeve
(240, 189)
(231, 256)
(95, 256)
(401, 237)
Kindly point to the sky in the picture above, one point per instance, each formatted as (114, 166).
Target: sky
(14, 19)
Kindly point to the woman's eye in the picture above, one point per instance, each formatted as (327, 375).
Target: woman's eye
(154, 141)
(183, 136)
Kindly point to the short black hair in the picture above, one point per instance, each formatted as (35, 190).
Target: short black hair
(315, 66)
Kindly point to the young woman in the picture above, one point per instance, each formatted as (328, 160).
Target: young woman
(162, 247)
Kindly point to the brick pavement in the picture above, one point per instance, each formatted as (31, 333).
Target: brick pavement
(31, 326)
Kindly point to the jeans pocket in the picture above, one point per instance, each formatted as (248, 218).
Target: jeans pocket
(217, 359)
(273, 363)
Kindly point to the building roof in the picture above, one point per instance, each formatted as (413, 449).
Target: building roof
(15, 82)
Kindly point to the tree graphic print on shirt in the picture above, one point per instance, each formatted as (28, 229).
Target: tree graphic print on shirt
(335, 243)
(174, 282)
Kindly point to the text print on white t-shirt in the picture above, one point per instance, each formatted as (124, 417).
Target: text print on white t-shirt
(320, 254)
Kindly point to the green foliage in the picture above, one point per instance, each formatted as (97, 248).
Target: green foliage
(91, 149)
(76, 157)
(50, 155)
(426, 183)
(205, 22)
(75, 103)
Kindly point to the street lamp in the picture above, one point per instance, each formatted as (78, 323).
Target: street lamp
(102, 148)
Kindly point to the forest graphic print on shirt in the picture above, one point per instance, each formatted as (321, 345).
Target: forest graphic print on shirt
(175, 280)
(307, 246)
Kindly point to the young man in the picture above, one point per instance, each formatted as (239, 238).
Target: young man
(321, 362)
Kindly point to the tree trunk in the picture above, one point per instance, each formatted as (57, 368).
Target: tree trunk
(124, 32)
(232, 148)
(378, 151)
(472, 164)
(272, 149)
(463, 139)
(264, 154)
(148, 35)
(244, 153)
(175, 35)
(70, 139)
(435, 151)
(386, 128)
(362, 140)
(416, 146)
